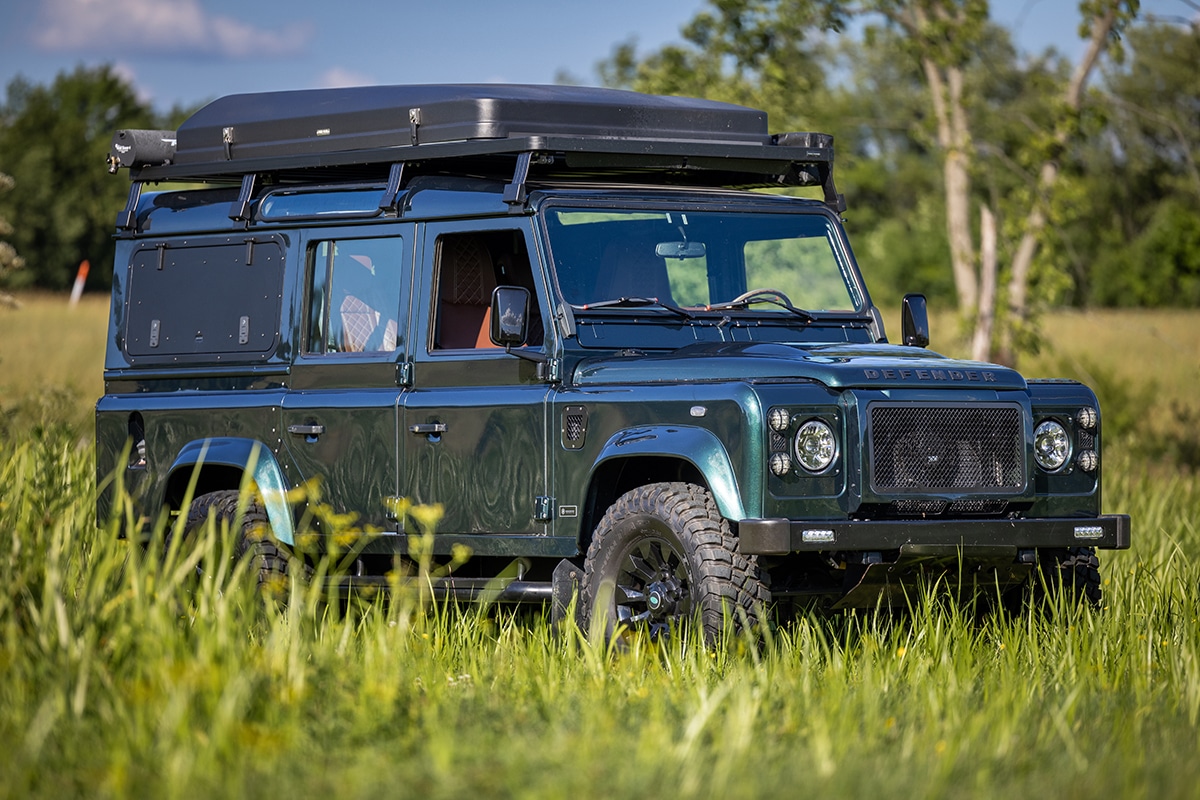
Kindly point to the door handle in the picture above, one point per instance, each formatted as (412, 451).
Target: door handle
(428, 428)
(306, 430)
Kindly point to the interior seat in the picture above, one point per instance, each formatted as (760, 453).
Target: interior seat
(465, 288)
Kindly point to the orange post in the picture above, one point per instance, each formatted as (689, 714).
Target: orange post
(80, 279)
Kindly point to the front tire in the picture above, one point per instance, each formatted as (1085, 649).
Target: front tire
(1075, 572)
(663, 555)
(1069, 573)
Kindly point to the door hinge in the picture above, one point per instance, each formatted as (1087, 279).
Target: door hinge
(404, 373)
(543, 508)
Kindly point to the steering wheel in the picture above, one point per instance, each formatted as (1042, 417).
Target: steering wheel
(765, 294)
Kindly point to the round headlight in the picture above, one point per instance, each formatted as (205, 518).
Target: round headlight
(816, 446)
(1051, 446)
(779, 419)
(1087, 418)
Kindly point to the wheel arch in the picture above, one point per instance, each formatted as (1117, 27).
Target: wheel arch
(656, 454)
(225, 463)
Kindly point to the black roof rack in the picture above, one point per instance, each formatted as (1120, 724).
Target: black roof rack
(551, 132)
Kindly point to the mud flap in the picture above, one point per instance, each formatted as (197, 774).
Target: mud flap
(564, 587)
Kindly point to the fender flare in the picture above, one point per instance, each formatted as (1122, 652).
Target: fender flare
(252, 457)
(698, 446)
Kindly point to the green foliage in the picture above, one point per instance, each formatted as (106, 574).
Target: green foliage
(10, 261)
(1132, 146)
(1160, 267)
(53, 142)
(1135, 242)
(907, 255)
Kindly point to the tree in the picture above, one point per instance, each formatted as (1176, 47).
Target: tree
(1102, 20)
(53, 141)
(1142, 178)
(944, 36)
(9, 260)
(946, 41)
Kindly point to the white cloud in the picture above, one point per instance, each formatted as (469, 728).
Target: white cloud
(339, 77)
(125, 72)
(181, 28)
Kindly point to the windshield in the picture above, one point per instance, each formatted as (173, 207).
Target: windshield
(701, 259)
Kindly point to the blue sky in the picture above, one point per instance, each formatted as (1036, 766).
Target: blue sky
(188, 51)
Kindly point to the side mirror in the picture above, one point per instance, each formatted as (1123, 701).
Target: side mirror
(510, 316)
(914, 321)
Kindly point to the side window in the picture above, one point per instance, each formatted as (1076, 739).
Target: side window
(354, 296)
(469, 267)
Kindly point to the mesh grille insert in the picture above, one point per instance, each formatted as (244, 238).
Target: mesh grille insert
(947, 448)
(574, 427)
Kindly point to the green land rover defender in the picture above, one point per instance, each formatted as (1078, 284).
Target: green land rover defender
(572, 318)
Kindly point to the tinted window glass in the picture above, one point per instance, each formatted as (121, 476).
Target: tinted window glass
(699, 258)
(354, 296)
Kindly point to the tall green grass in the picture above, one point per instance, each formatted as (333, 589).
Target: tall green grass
(126, 675)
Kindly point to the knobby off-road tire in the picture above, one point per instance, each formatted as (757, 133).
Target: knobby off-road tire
(270, 564)
(1072, 573)
(663, 556)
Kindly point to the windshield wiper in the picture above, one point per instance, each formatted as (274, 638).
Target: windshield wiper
(763, 296)
(636, 302)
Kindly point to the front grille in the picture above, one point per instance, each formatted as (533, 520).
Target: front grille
(946, 448)
(917, 508)
(935, 508)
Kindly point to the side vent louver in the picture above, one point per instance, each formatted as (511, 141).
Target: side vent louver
(574, 427)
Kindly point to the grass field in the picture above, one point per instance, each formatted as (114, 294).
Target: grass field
(119, 677)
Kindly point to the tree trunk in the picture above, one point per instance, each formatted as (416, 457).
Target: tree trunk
(1035, 221)
(954, 139)
(981, 346)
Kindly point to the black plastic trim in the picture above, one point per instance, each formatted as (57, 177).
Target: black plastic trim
(783, 536)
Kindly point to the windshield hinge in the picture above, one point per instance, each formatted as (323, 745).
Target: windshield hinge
(566, 321)
(551, 370)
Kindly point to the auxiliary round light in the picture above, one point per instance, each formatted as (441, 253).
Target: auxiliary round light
(1088, 460)
(1051, 445)
(781, 464)
(779, 419)
(1087, 418)
(815, 446)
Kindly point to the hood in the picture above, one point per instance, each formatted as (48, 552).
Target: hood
(839, 366)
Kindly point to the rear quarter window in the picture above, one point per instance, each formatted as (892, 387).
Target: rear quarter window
(212, 300)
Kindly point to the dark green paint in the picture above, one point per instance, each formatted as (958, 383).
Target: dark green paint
(482, 432)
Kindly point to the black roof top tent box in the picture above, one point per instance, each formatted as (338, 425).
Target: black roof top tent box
(559, 131)
(309, 122)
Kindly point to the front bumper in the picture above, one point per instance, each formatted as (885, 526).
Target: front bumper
(783, 536)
